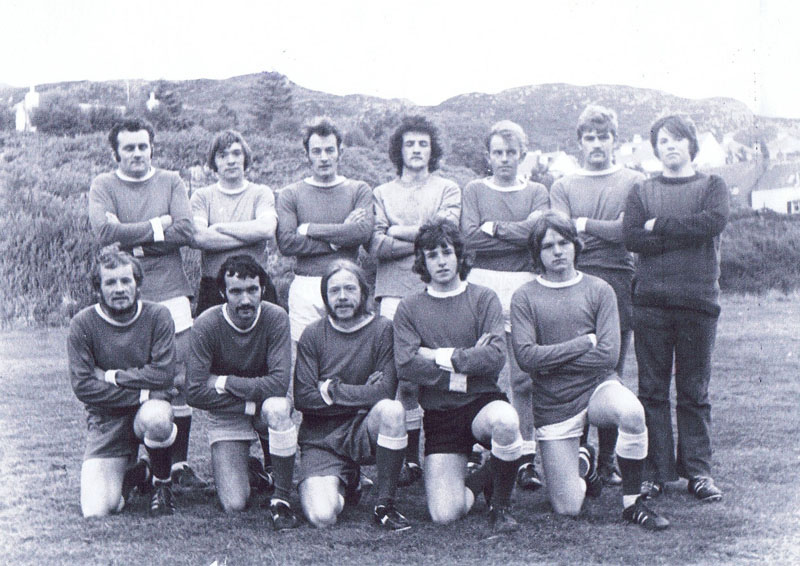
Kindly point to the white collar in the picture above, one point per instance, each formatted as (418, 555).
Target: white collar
(559, 284)
(355, 328)
(240, 190)
(147, 176)
(590, 173)
(102, 314)
(444, 294)
(314, 183)
(233, 324)
(518, 186)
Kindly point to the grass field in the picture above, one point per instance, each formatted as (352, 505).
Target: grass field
(756, 410)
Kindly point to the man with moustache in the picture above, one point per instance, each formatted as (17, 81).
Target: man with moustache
(401, 207)
(239, 371)
(121, 355)
(594, 198)
(344, 384)
(146, 210)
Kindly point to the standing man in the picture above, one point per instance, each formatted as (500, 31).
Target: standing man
(322, 218)
(565, 331)
(344, 384)
(122, 364)
(231, 217)
(146, 210)
(239, 371)
(497, 216)
(449, 340)
(401, 207)
(594, 198)
(674, 222)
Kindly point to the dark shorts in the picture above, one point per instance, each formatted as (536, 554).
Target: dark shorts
(333, 446)
(622, 283)
(110, 437)
(449, 431)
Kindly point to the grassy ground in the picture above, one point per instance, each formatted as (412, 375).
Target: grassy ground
(755, 396)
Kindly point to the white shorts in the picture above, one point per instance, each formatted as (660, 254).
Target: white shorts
(181, 310)
(229, 428)
(573, 426)
(504, 283)
(305, 304)
(389, 306)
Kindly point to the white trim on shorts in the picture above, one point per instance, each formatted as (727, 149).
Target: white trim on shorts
(181, 310)
(305, 303)
(389, 306)
(573, 426)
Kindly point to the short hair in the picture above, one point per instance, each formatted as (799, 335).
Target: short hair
(322, 126)
(346, 265)
(597, 118)
(130, 125)
(415, 124)
(681, 127)
(111, 257)
(223, 141)
(242, 266)
(561, 224)
(510, 132)
(435, 233)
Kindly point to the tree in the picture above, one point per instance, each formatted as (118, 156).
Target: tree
(272, 97)
(60, 116)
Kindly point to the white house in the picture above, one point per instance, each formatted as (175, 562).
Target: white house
(24, 109)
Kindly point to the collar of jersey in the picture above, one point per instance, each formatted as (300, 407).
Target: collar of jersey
(337, 181)
(559, 284)
(147, 176)
(233, 325)
(240, 190)
(357, 327)
(102, 314)
(589, 173)
(518, 186)
(444, 294)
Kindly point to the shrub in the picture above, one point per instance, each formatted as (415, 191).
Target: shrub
(60, 116)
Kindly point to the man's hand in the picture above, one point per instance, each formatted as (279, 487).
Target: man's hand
(356, 215)
(166, 221)
(211, 382)
(535, 215)
(427, 353)
(593, 339)
(374, 377)
(164, 394)
(112, 218)
(484, 340)
(99, 374)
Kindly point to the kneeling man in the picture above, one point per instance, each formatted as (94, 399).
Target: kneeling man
(450, 340)
(565, 332)
(239, 372)
(344, 384)
(122, 365)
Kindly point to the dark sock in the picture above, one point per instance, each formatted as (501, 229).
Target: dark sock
(264, 441)
(388, 463)
(180, 449)
(160, 462)
(412, 450)
(477, 481)
(607, 441)
(134, 476)
(631, 472)
(503, 478)
(585, 435)
(526, 459)
(282, 471)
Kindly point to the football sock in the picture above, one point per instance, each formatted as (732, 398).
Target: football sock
(264, 441)
(504, 467)
(160, 454)
(283, 447)
(631, 454)
(479, 479)
(412, 449)
(585, 435)
(389, 462)
(606, 440)
(180, 450)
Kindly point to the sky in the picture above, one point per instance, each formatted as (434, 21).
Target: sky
(422, 50)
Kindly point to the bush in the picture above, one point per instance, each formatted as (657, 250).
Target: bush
(60, 116)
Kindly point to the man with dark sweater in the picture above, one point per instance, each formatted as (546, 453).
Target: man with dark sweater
(121, 362)
(146, 210)
(239, 372)
(674, 222)
(450, 341)
(497, 215)
(345, 383)
(322, 218)
(401, 207)
(565, 331)
(594, 198)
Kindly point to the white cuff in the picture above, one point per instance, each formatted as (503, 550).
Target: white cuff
(334, 247)
(158, 229)
(250, 408)
(593, 338)
(144, 395)
(220, 383)
(650, 225)
(111, 376)
(138, 251)
(303, 229)
(580, 224)
(444, 358)
(458, 382)
(488, 228)
(323, 390)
